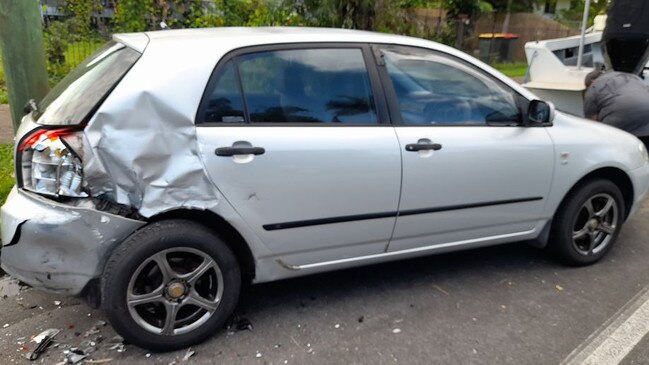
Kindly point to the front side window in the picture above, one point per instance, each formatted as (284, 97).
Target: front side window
(312, 86)
(432, 89)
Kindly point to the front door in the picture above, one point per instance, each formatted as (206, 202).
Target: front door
(293, 140)
(472, 174)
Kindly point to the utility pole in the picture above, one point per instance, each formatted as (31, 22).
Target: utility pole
(505, 28)
(23, 54)
(582, 40)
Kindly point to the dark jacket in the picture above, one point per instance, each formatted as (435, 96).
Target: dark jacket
(619, 99)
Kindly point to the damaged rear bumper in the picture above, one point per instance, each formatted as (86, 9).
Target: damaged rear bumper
(56, 247)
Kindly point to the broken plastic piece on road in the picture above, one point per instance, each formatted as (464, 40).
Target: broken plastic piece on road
(116, 343)
(98, 361)
(43, 340)
(188, 354)
(74, 356)
(396, 330)
(92, 331)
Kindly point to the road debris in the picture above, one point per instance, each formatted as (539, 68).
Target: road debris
(116, 344)
(42, 340)
(439, 289)
(98, 361)
(10, 287)
(559, 287)
(5, 325)
(92, 331)
(74, 356)
(361, 319)
(26, 305)
(238, 324)
(188, 354)
(57, 303)
(396, 330)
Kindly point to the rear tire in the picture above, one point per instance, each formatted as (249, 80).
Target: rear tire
(587, 223)
(170, 285)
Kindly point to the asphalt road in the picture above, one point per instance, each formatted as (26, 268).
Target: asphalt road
(502, 305)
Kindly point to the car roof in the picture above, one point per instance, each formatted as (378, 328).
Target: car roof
(213, 43)
(245, 36)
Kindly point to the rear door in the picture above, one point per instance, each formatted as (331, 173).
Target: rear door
(472, 172)
(294, 138)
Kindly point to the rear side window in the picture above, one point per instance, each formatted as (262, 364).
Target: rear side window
(225, 103)
(73, 100)
(311, 86)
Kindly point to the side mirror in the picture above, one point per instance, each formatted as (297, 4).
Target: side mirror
(540, 113)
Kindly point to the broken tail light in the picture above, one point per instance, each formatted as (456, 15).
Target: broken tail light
(50, 162)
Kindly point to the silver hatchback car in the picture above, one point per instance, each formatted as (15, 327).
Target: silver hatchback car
(171, 167)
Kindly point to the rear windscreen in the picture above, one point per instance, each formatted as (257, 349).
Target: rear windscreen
(82, 90)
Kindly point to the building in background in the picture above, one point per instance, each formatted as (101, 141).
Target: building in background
(52, 9)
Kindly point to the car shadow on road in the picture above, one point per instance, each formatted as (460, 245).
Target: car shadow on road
(511, 260)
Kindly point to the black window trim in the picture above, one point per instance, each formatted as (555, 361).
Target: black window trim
(376, 85)
(391, 97)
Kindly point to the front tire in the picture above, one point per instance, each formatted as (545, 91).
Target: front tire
(170, 285)
(587, 223)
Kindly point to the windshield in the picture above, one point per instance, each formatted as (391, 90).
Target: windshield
(74, 99)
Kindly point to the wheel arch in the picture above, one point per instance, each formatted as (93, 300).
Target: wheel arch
(613, 174)
(216, 223)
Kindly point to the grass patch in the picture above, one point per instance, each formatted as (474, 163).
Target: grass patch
(7, 174)
(512, 69)
(4, 97)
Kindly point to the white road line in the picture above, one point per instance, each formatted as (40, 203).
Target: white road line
(617, 336)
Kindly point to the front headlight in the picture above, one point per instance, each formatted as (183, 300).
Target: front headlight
(50, 166)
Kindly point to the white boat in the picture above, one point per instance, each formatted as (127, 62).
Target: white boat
(553, 72)
(557, 68)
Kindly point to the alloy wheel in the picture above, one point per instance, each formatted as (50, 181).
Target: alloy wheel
(595, 224)
(175, 291)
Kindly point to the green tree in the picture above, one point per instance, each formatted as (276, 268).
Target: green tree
(576, 11)
(141, 15)
(131, 16)
(354, 14)
(81, 12)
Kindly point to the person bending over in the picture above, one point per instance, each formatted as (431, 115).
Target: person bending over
(618, 99)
